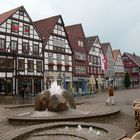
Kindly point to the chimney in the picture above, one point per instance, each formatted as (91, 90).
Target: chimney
(134, 54)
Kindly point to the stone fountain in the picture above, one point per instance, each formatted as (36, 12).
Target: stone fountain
(55, 99)
(57, 105)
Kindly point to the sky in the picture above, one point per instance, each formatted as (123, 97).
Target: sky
(114, 21)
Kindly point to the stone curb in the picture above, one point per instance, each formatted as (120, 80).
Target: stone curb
(113, 132)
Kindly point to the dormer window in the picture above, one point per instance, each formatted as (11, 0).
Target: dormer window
(26, 30)
(15, 27)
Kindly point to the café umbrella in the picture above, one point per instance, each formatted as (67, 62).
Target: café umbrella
(92, 82)
(99, 83)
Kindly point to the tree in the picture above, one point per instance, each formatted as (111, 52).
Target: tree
(127, 81)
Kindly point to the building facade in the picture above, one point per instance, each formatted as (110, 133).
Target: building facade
(57, 52)
(118, 69)
(80, 60)
(109, 70)
(132, 66)
(95, 58)
(21, 56)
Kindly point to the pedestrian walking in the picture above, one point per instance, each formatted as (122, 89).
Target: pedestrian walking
(110, 100)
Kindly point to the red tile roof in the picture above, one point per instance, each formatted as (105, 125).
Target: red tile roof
(75, 32)
(115, 54)
(46, 26)
(76, 28)
(6, 15)
(105, 47)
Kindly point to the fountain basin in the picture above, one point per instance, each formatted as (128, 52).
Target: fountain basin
(58, 129)
(28, 115)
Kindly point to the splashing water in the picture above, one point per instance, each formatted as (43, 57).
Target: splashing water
(98, 133)
(55, 89)
(90, 129)
(79, 127)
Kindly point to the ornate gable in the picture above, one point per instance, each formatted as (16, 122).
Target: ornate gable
(19, 23)
(59, 39)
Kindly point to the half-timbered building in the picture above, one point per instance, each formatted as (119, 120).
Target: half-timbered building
(57, 52)
(80, 60)
(132, 66)
(118, 69)
(95, 58)
(21, 59)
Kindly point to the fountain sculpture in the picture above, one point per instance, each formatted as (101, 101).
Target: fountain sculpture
(57, 104)
(54, 99)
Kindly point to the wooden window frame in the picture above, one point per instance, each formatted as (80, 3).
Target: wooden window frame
(22, 61)
(25, 30)
(26, 51)
(2, 47)
(16, 28)
(35, 51)
(39, 66)
(30, 65)
(12, 49)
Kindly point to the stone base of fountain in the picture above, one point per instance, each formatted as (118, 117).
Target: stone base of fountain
(19, 116)
(65, 130)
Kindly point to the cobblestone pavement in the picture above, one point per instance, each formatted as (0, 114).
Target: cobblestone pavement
(123, 99)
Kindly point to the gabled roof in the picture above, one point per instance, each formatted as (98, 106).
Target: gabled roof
(75, 30)
(135, 58)
(90, 40)
(105, 47)
(115, 53)
(46, 26)
(6, 15)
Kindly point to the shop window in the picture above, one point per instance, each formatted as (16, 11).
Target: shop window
(36, 49)
(30, 66)
(2, 85)
(37, 86)
(9, 86)
(39, 66)
(21, 64)
(25, 48)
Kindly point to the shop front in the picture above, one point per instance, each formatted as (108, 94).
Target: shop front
(31, 85)
(80, 85)
(6, 86)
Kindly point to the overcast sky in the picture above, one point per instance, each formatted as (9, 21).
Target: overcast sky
(114, 21)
